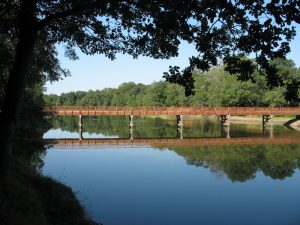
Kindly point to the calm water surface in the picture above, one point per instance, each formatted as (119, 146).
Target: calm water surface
(210, 185)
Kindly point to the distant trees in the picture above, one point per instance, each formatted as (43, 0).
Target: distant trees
(213, 88)
(127, 94)
(218, 88)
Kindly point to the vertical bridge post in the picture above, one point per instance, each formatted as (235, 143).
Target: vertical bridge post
(268, 130)
(267, 120)
(80, 133)
(225, 131)
(131, 127)
(131, 133)
(80, 125)
(179, 122)
(225, 120)
(130, 121)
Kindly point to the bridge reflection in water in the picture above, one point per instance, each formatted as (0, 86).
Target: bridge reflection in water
(169, 142)
(266, 137)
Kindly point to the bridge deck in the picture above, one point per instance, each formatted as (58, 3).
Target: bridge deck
(169, 111)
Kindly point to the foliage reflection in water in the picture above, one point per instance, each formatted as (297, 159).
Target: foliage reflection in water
(231, 184)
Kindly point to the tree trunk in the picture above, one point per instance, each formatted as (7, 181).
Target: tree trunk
(15, 88)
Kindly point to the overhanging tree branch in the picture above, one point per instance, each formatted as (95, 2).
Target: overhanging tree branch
(64, 14)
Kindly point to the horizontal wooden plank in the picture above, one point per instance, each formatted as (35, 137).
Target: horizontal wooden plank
(163, 111)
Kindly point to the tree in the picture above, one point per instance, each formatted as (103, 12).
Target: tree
(155, 94)
(230, 30)
(279, 74)
(44, 66)
(142, 27)
(286, 75)
(275, 97)
(175, 95)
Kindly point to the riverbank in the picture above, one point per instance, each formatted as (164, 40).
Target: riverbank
(279, 120)
(29, 198)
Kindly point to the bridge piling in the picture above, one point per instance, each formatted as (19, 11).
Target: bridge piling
(80, 124)
(225, 120)
(271, 132)
(180, 133)
(130, 121)
(131, 133)
(179, 122)
(225, 131)
(80, 133)
(267, 120)
(268, 130)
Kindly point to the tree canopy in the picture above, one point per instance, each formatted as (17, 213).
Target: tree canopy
(224, 30)
(219, 29)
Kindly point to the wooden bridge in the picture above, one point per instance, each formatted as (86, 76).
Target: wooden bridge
(223, 112)
(169, 142)
(169, 111)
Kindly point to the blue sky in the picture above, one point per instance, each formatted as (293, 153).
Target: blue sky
(98, 72)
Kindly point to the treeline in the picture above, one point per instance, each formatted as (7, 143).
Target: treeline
(213, 88)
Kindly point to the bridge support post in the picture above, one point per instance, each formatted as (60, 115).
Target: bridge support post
(180, 132)
(225, 120)
(267, 120)
(130, 121)
(225, 131)
(80, 124)
(179, 122)
(131, 133)
(268, 130)
(271, 132)
(80, 133)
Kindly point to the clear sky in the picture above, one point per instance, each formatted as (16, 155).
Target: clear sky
(98, 72)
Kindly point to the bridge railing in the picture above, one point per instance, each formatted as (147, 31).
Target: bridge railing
(170, 110)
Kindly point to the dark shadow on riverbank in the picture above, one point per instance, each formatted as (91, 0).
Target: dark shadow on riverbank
(27, 197)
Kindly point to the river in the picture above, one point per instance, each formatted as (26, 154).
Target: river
(206, 174)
